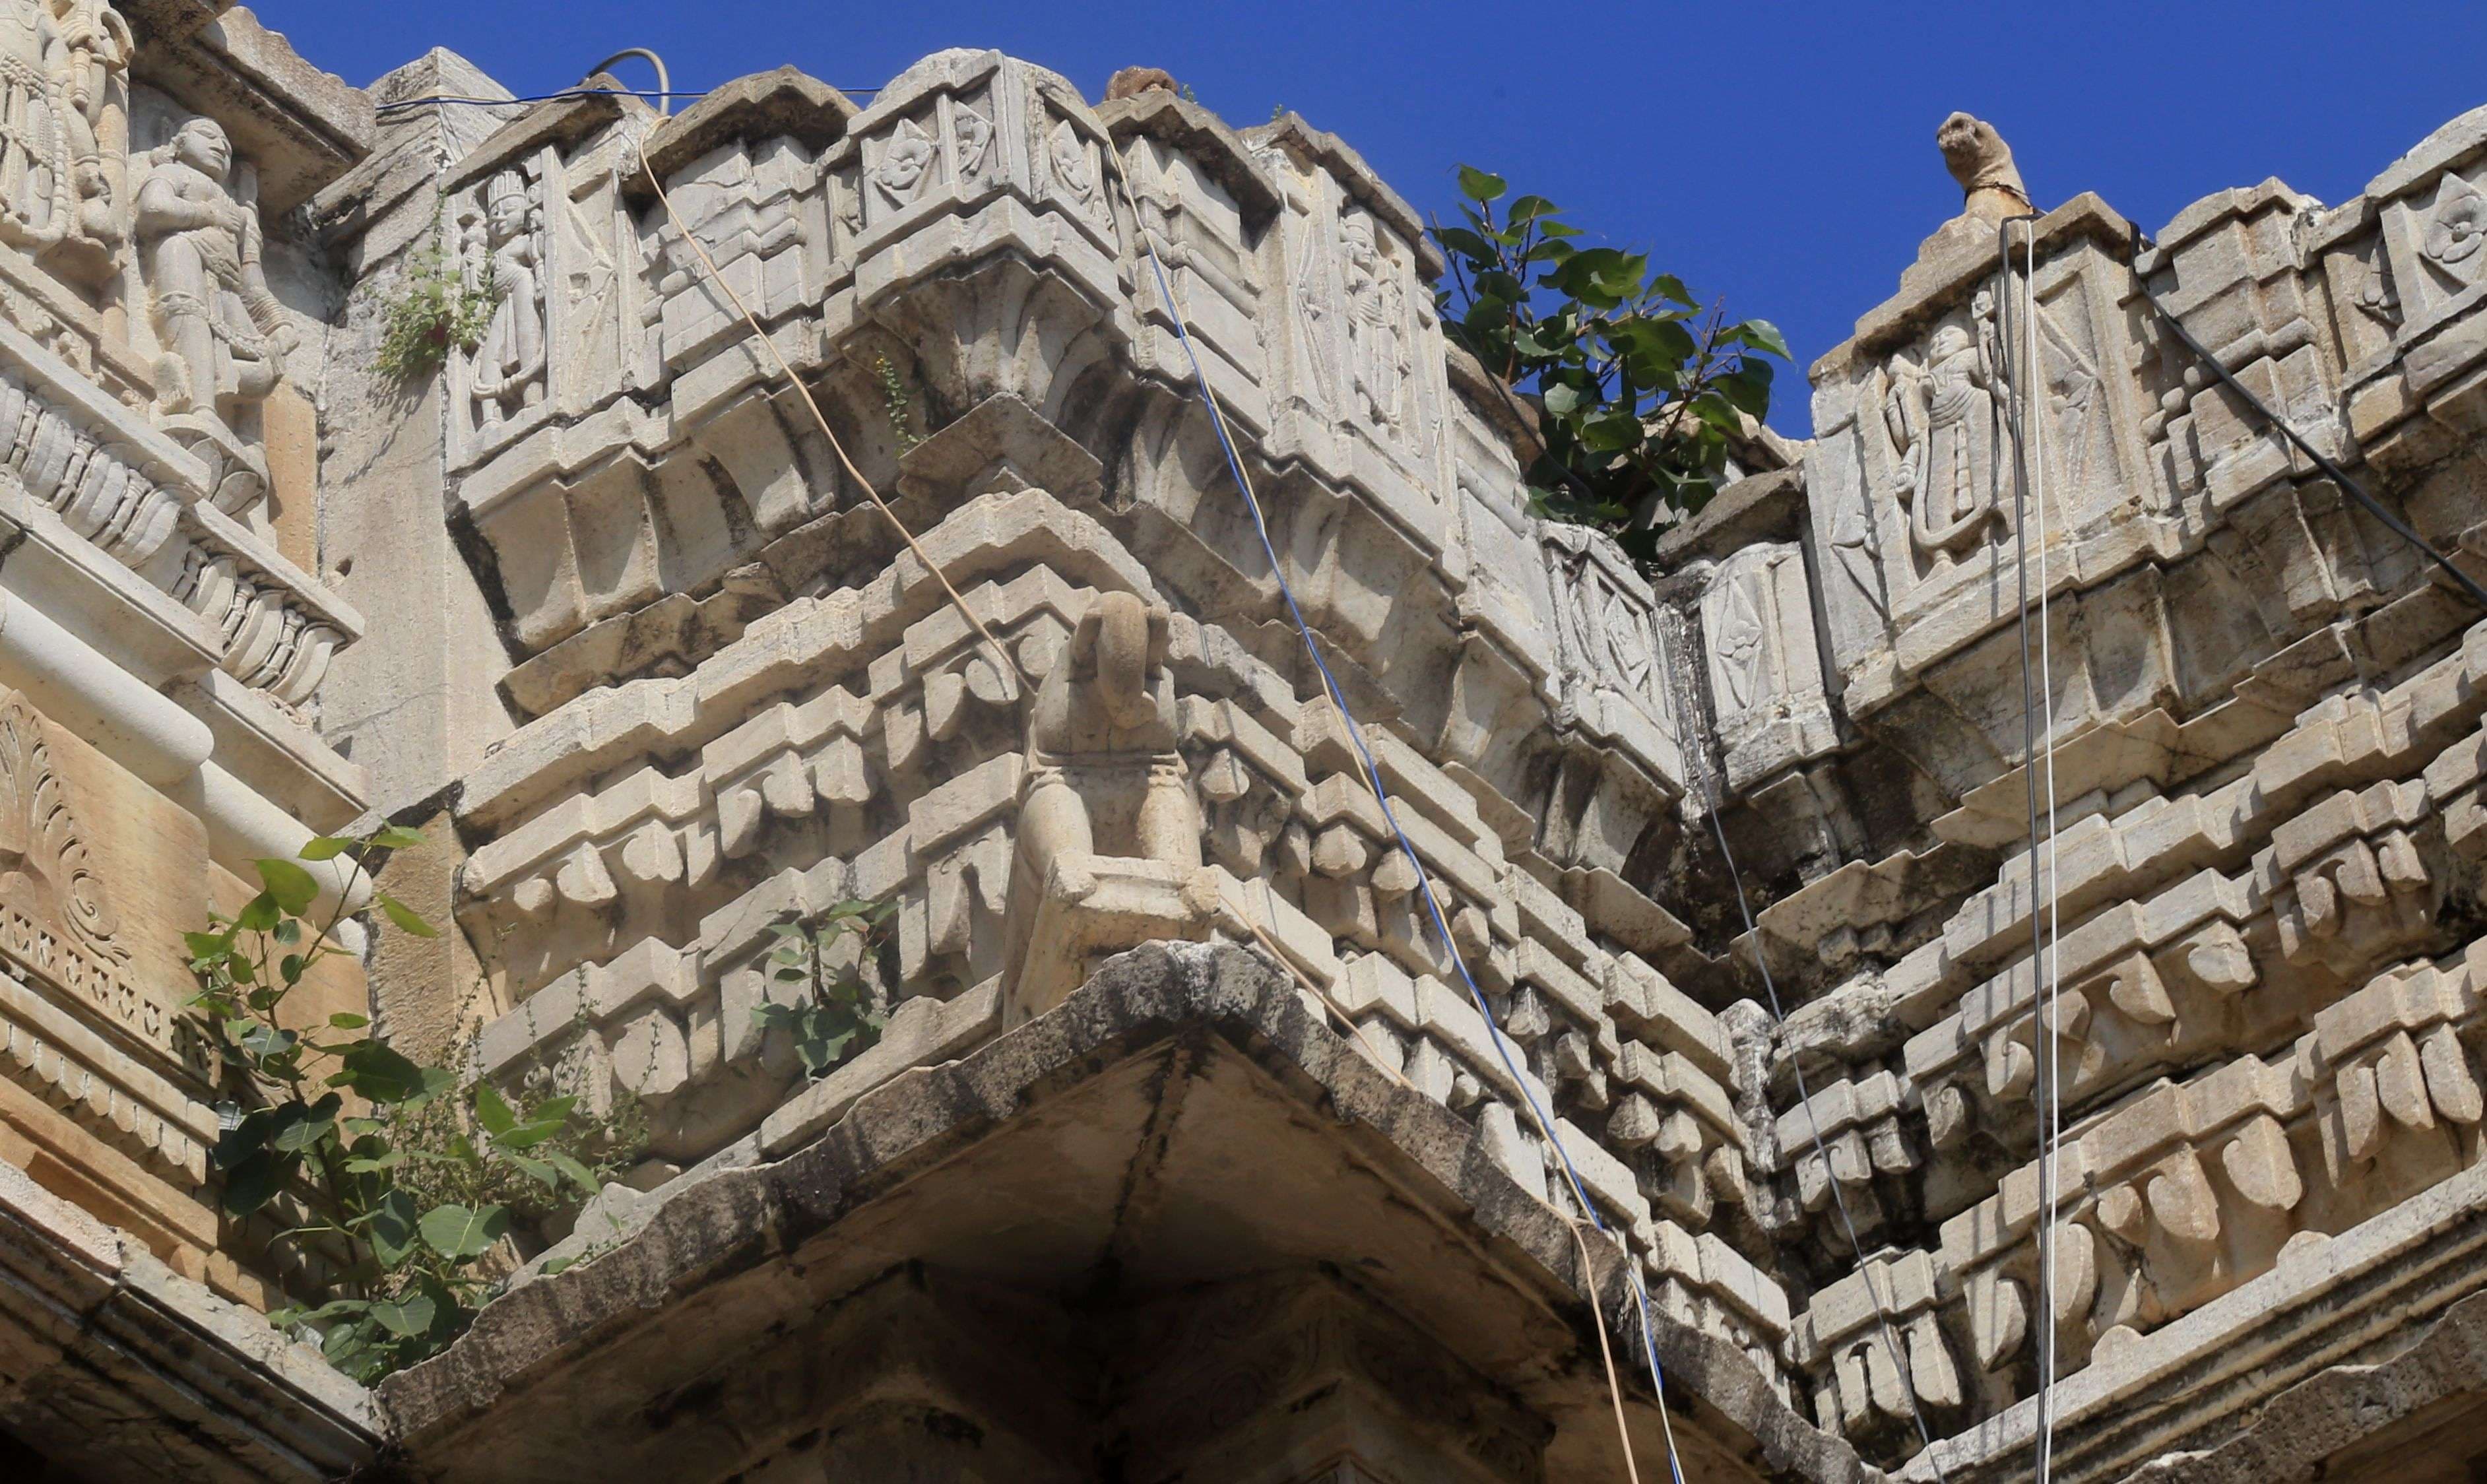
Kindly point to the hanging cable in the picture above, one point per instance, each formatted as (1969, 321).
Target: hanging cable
(2321, 461)
(664, 78)
(2024, 420)
(1372, 777)
(1009, 663)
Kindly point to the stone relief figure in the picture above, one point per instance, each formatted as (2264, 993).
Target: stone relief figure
(223, 334)
(509, 365)
(1377, 310)
(1941, 417)
(62, 62)
(1104, 776)
(1852, 541)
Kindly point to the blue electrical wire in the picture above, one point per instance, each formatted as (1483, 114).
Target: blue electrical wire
(1424, 878)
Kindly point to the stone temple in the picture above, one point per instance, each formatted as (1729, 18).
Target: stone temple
(1184, 1155)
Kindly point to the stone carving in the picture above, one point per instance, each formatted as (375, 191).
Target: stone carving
(907, 163)
(507, 370)
(224, 338)
(1979, 159)
(63, 94)
(1101, 754)
(40, 843)
(2459, 224)
(1072, 170)
(1942, 421)
(1377, 308)
(975, 132)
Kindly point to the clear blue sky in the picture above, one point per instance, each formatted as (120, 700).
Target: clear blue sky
(1781, 155)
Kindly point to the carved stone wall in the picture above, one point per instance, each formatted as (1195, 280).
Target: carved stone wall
(659, 677)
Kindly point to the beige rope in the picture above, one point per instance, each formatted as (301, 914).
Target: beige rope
(707, 264)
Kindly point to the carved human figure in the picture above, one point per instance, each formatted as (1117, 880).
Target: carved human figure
(60, 60)
(1942, 421)
(1376, 306)
(509, 365)
(223, 334)
(1104, 776)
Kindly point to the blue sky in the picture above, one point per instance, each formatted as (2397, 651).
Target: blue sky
(1779, 155)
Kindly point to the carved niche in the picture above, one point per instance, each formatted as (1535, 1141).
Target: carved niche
(1764, 667)
(1360, 385)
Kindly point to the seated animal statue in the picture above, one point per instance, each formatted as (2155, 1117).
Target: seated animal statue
(1104, 775)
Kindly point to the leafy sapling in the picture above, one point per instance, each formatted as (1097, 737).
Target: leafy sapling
(833, 1014)
(1635, 392)
(395, 1184)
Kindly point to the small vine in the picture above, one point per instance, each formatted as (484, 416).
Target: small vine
(896, 406)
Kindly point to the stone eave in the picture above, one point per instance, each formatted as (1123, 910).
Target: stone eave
(148, 1375)
(1497, 1275)
(780, 103)
(301, 126)
(1930, 289)
(1290, 132)
(2343, 1422)
(1203, 136)
(555, 125)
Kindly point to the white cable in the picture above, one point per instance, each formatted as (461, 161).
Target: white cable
(2028, 421)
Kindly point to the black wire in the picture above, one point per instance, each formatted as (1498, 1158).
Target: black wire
(2331, 471)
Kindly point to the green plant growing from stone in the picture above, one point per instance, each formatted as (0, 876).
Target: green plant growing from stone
(1635, 391)
(833, 1014)
(896, 406)
(402, 1198)
(434, 309)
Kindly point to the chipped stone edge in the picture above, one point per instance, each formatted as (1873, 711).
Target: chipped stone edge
(736, 1220)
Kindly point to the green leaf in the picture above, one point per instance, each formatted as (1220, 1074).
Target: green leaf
(393, 1229)
(406, 1315)
(396, 837)
(580, 1174)
(258, 914)
(347, 1021)
(383, 1075)
(491, 1111)
(404, 916)
(1465, 243)
(1562, 401)
(457, 1231)
(208, 945)
(1763, 335)
(538, 1170)
(293, 889)
(252, 1182)
(1529, 208)
(1477, 185)
(321, 848)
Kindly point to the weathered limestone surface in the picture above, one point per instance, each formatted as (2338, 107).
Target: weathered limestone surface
(1186, 1150)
